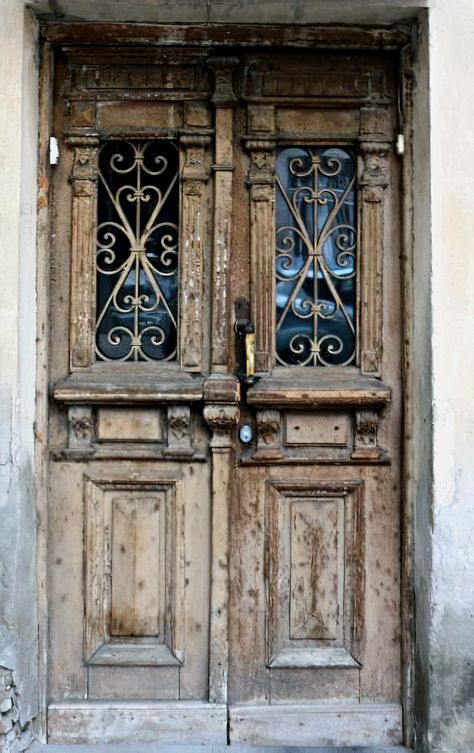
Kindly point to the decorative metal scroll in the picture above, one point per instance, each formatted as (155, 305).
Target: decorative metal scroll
(315, 267)
(137, 251)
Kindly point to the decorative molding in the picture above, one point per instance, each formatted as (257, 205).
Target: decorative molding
(365, 436)
(268, 435)
(81, 429)
(179, 430)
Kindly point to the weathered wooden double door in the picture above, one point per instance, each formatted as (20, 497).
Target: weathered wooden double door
(224, 548)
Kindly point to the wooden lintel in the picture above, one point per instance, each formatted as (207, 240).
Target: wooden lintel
(228, 35)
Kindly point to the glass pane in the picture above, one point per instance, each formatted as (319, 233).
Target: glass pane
(315, 264)
(137, 251)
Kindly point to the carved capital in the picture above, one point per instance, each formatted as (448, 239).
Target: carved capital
(373, 165)
(221, 420)
(262, 161)
(223, 68)
(196, 165)
(221, 417)
(84, 172)
(80, 427)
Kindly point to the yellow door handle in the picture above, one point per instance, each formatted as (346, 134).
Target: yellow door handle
(249, 354)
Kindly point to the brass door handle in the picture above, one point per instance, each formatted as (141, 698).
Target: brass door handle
(245, 332)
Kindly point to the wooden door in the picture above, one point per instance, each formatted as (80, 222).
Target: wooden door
(315, 514)
(223, 552)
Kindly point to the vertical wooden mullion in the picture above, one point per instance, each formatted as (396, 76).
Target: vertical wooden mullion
(224, 100)
(221, 419)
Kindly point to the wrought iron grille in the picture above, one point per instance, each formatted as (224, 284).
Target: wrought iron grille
(137, 251)
(316, 239)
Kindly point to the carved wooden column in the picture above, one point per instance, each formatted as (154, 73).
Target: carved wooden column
(373, 179)
(221, 419)
(83, 249)
(223, 99)
(193, 228)
(262, 247)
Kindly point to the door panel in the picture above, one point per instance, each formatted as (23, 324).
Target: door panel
(145, 559)
(206, 584)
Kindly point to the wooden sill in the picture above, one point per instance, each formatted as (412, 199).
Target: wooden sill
(107, 383)
(337, 390)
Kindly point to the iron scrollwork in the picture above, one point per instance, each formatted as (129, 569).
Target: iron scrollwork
(316, 239)
(137, 251)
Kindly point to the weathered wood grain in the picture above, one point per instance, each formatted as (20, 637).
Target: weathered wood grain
(316, 725)
(141, 721)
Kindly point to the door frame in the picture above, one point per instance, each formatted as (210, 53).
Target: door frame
(229, 36)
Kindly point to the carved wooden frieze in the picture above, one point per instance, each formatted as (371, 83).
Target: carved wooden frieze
(373, 178)
(84, 218)
(334, 80)
(165, 78)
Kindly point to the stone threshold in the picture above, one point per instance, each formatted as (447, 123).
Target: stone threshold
(37, 747)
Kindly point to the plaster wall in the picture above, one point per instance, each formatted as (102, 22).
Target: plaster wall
(451, 586)
(18, 130)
